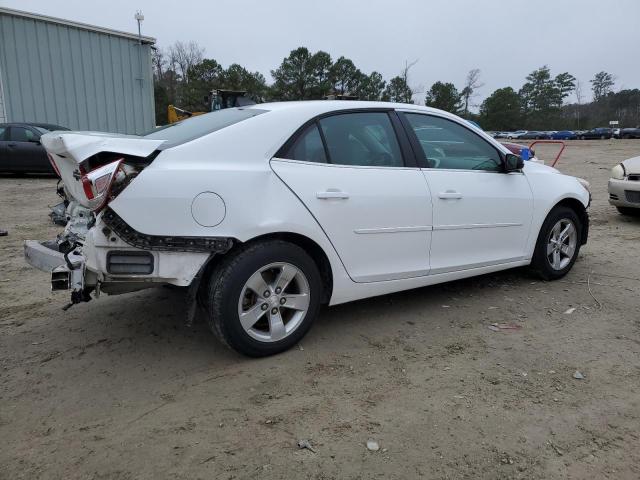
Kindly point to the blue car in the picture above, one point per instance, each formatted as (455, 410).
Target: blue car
(563, 135)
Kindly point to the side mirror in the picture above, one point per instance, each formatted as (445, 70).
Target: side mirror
(513, 163)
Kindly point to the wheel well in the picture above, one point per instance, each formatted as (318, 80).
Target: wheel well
(581, 211)
(314, 250)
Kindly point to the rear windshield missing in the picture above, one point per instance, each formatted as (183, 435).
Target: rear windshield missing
(201, 125)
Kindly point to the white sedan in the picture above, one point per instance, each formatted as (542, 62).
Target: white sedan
(624, 187)
(266, 212)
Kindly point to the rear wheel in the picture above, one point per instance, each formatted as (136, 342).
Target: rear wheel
(632, 212)
(558, 244)
(602, 137)
(263, 299)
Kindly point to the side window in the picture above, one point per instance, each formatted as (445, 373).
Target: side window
(449, 145)
(308, 147)
(20, 134)
(2, 130)
(364, 139)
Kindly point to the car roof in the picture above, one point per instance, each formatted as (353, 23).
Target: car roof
(325, 106)
(281, 120)
(47, 126)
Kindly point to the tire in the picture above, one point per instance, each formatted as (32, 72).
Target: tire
(541, 263)
(582, 137)
(602, 137)
(229, 294)
(631, 212)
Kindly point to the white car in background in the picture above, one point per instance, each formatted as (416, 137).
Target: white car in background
(624, 187)
(268, 211)
(516, 134)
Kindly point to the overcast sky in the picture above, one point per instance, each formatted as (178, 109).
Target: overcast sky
(505, 39)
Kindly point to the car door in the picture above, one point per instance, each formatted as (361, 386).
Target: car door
(24, 151)
(349, 170)
(481, 216)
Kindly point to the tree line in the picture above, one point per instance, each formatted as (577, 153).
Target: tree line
(184, 77)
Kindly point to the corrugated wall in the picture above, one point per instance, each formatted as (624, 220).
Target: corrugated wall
(80, 79)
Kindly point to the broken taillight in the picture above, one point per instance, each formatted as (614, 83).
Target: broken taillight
(97, 184)
(53, 165)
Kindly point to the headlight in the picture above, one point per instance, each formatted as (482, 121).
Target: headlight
(585, 184)
(618, 172)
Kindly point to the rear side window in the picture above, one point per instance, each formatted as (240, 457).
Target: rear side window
(2, 130)
(363, 139)
(201, 125)
(308, 147)
(20, 134)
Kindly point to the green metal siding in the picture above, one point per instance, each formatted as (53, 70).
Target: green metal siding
(78, 78)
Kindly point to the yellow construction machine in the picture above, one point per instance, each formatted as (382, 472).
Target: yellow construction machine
(217, 99)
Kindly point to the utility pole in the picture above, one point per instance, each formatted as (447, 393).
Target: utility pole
(139, 18)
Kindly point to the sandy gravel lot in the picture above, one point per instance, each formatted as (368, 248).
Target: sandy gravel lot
(119, 388)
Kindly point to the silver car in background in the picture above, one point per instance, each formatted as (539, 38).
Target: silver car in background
(624, 186)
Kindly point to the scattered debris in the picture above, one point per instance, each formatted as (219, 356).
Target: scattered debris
(590, 292)
(372, 445)
(302, 444)
(504, 327)
(578, 376)
(58, 214)
(3, 233)
(570, 311)
(446, 306)
(557, 449)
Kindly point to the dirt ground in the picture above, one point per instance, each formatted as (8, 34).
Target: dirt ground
(119, 388)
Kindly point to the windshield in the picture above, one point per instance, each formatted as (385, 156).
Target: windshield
(199, 126)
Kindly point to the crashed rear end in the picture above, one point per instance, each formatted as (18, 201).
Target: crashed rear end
(98, 251)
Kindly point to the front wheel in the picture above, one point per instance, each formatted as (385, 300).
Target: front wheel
(263, 298)
(558, 244)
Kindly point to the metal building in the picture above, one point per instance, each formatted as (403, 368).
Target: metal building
(75, 75)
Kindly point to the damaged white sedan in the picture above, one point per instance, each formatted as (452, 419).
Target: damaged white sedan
(268, 211)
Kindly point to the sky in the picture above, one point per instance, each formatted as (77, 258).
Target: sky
(505, 39)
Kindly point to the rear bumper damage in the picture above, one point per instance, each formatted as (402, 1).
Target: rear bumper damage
(113, 258)
(67, 269)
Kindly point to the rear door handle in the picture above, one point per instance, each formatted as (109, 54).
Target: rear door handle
(332, 193)
(450, 194)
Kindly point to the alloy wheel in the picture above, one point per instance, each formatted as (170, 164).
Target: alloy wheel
(561, 244)
(274, 302)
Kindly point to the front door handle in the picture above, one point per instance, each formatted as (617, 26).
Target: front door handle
(332, 193)
(450, 194)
